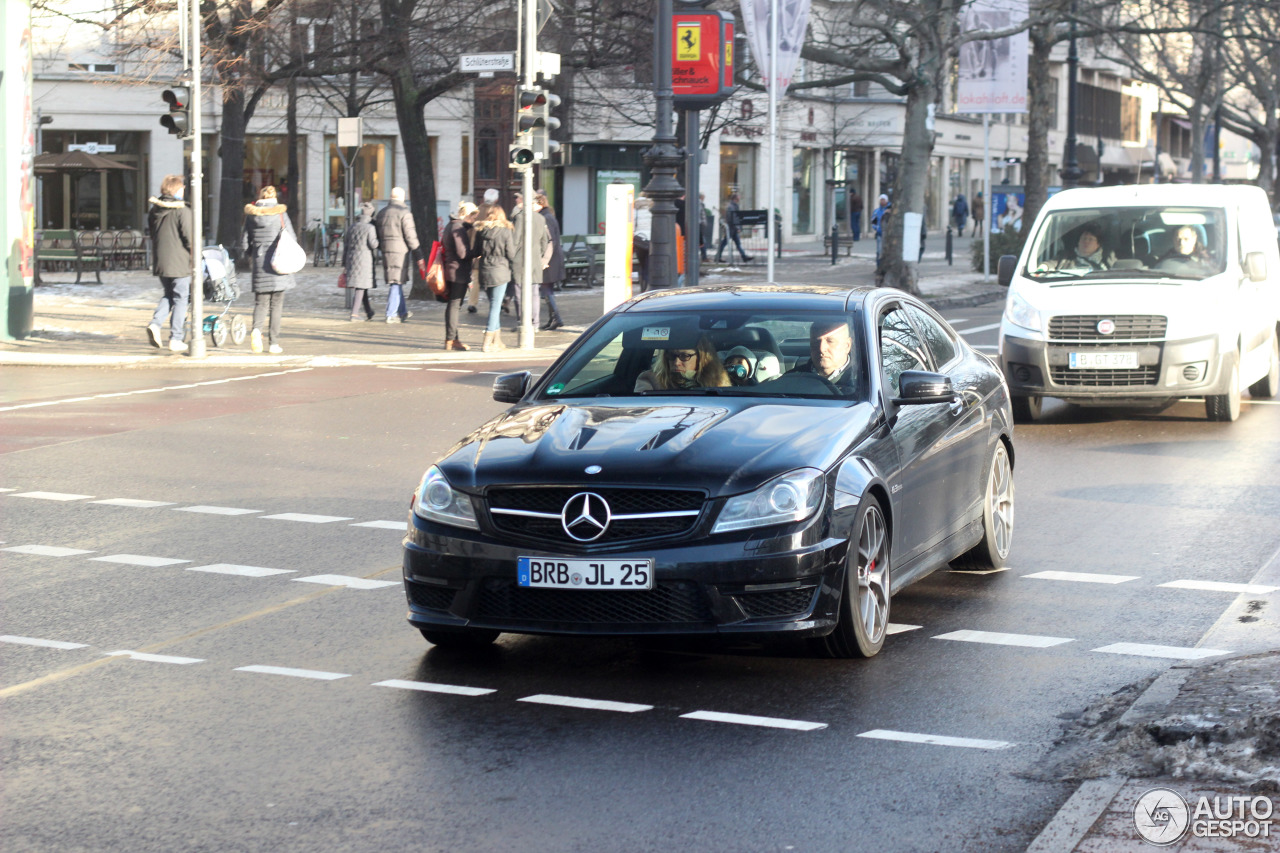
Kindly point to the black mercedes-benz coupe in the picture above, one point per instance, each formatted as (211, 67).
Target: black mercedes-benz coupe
(720, 460)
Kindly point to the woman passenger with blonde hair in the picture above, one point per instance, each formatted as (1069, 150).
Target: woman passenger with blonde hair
(682, 368)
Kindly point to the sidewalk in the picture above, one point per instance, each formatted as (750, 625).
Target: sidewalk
(105, 324)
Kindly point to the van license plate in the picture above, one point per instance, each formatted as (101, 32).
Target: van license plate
(552, 573)
(1104, 360)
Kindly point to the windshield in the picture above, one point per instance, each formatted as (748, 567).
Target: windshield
(811, 355)
(1157, 242)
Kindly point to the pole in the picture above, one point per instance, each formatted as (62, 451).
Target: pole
(1070, 166)
(773, 134)
(987, 208)
(692, 206)
(664, 160)
(196, 349)
(527, 293)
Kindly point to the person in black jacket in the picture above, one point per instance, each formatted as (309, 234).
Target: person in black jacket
(169, 222)
(457, 251)
(263, 221)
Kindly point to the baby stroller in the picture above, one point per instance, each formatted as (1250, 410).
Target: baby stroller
(220, 286)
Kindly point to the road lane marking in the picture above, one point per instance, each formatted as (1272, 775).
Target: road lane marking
(1082, 577)
(51, 496)
(447, 370)
(34, 641)
(590, 704)
(149, 390)
(8, 490)
(138, 560)
(46, 550)
(979, 571)
(975, 329)
(243, 571)
(150, 658)
(383, 525)
(430, 687)
(1219, 586)
(294, 673)
(936, 740)
(309, 519)
(748, 720)
(1034, 641)
(897, 628)
(958, 320)
(217, 510)
(345, 580)
(396, 367)
(132, 502)
(992, 347)
(1150, 651)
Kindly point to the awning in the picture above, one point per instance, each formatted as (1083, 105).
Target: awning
(1180, 122)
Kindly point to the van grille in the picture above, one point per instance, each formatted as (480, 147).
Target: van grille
(1104, 378)
(1084, 327)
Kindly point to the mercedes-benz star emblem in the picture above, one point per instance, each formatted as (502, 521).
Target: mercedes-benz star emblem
(1106, 327)
(585, 517)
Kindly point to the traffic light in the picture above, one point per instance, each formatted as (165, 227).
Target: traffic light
(521, 155)
(534, 122)
(178, 121)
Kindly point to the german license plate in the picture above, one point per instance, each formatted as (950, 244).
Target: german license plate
(556, 573)
(1104, 360)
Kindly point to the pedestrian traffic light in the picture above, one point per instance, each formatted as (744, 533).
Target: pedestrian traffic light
(534, 121)
(521, 155)
(178, 121)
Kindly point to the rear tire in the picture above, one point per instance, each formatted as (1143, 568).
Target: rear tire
(459, 638)
(864, 604)
(1026, 409)
(1269, 385)
(1225, 407)
(992, 552)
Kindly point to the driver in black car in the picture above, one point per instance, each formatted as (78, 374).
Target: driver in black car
(830, 353)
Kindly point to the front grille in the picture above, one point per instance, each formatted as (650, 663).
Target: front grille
(431, 597)
(1084, 327)
(1104, 378)
(675, 603)
(551, 500)
(783, 602)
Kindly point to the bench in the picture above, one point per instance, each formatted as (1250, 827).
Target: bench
(583, 257)
(68, 248)
(846, 242)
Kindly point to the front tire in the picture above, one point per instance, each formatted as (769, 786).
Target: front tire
(992, 552)
(1026, 409)
(459, 638)
(864, 603)
(1269, 385)
(1225, 407)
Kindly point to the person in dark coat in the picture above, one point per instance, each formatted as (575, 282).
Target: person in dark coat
(496, 247)
(541, 242)
(732, 228)
(855, 214)
(358, 247)
(978, 211)
(262, 223)
(398, 236)
(960, 212)
(457, 250)
(169, 222)
(553, 266)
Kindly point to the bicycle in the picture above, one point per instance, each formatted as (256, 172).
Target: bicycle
(320, 248)
(335, 248)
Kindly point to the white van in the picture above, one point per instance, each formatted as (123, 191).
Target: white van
(1141, 295)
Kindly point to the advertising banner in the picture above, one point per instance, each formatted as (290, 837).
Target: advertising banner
(993, 72)
(793, 20)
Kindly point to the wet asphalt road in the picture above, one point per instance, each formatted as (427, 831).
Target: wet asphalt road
(176, 746)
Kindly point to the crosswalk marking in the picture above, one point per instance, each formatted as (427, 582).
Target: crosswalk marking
(975, 329)
(138, 560)
(310, 519)
(243, 571)
(383, 525)
(936, 740)
(431, 687)
(46, 550)
(1082, 577)
(749, 720)
(1152, 651)
(150, 658)
(133, 502)
(897, 628)
(294, 673)
(1219, 586)
(35, 641)
(590, 704)
(217, 510)
(1034, 641)
(51, 496)
(344, 580)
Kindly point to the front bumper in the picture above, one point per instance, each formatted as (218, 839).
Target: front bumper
(787, 582)
(1166, 370)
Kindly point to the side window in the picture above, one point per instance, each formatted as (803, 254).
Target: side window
(900, 347)
(936, 337)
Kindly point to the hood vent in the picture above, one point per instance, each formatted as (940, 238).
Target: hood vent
(661, 438)
(584, 435)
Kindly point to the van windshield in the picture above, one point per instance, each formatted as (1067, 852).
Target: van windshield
(1127, 242)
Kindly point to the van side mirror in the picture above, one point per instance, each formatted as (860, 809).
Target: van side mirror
(1005, 268)
(511, 388)
(1255, 266)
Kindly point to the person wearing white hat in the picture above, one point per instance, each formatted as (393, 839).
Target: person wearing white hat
(398, 236)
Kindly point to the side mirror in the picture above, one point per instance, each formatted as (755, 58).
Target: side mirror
(1005, 268)
(512, 387)
(919, 387)
(1255, 266)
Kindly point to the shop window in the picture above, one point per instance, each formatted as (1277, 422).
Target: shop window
(802, 168)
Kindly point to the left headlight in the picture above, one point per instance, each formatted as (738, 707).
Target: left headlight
(436, 500)
(791, 497)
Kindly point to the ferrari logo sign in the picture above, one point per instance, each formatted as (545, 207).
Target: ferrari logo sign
(688, 41)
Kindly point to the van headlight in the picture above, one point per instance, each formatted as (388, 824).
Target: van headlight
(1022, 313)
(436, 500)
(791, 497)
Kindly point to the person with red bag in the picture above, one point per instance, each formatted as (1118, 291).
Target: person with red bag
(456, 253)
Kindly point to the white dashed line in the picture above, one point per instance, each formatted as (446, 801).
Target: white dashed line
(139, 560)
(8, 490)
(295, 673)
(51, 496)
(1149, 651)
(429, 687)
(976, 329)
(309, 519)
(48, 644)
(217, 510)
(150, 390)
(243, 571)
(992, 347)
(589, 704)
(149, 658)
(344, 580)
(978, 571)
(936, 740)
(1219, 586)
(47, 550)
(396, 367)
(447, 370)
(748, 720)
(896, 628)
(382, 525)
(1082, 577)
(132, 502)
(1034, 641)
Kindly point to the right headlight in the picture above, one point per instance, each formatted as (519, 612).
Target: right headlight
(1022, 313)
(437, 501)
(792, 497)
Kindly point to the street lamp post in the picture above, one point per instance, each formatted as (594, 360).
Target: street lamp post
(664, 160)
(1071, 171)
